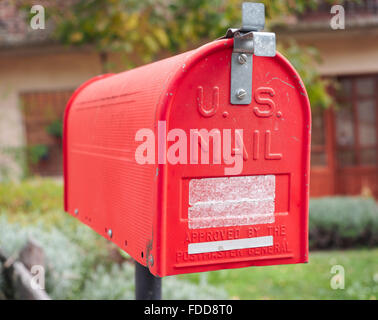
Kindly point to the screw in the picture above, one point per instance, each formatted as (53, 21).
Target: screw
(76, 211)
(110, 233)
(241, 93)
(151, 260)
(242, 58)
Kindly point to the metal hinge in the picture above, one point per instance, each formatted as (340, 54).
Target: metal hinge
(248, 41)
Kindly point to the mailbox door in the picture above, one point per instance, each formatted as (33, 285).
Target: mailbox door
(216, 216)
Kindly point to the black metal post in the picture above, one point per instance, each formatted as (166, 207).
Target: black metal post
(147, 286)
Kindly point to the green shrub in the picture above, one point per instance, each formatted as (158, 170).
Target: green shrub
(55, 128)
(341, 222)
(117, 282)
(63, 258)
(112, 283)
(174, 289)
(77, 266)
(38, 152)
(40, 195)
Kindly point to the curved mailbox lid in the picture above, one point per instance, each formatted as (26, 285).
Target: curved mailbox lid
(276, 145)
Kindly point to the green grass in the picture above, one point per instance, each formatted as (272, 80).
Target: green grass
(303, 281)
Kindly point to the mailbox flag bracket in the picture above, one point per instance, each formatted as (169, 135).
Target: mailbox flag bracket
(248, 41)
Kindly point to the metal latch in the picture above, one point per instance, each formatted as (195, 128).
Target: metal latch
(248, 41)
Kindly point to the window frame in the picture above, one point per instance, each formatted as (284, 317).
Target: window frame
(322, 148)
(354, 98)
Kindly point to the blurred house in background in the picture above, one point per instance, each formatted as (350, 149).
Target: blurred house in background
(344, 141)
(38, 75)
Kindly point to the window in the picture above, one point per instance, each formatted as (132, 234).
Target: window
(43, 110)
(356, 122)
(318, 148)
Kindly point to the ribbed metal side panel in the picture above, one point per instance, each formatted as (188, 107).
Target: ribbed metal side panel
(105, 184)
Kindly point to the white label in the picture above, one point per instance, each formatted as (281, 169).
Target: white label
(224, 245)
(234, 201)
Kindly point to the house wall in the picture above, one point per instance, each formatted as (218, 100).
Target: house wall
(34, 70)
(342, 52)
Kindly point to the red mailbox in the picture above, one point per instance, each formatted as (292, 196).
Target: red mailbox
(197, 162)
